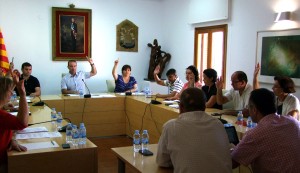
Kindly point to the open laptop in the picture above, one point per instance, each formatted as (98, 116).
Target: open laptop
(232, 135)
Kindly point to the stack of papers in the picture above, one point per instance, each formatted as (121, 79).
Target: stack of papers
(38, 135)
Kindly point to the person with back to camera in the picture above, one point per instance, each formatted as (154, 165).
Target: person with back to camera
(239, 93)
(283, 87)
(273, 145)
(210, 89)
(173, 83)
(72, 83)
(195, 141)
(8, 122)
(124, 82)
(192, 77)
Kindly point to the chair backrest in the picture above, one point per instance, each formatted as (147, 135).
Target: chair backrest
(110, 84)
(63, 75)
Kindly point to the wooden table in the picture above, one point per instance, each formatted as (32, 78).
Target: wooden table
(140, 163)
(75, 160)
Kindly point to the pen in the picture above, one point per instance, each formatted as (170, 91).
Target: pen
(52, 142)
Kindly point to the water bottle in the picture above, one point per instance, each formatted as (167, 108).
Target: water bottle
(136, 141)
(145, 140)
(14, 99)
(81, 94)
(82, 131)
(147, 91)
(240, 118)
(53, 119)
(75, 136)
(249, 122)
(69, 133)
(59, 119)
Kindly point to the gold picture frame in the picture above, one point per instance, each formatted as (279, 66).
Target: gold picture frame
(71, 33)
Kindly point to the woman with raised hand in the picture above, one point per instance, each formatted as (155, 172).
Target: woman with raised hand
(8, 122)
(283, 87)
(124, 82)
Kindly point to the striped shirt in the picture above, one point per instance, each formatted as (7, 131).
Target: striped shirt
(121, 86)
(175, 86)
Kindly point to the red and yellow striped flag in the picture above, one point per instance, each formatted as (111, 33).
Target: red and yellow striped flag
(4, 63)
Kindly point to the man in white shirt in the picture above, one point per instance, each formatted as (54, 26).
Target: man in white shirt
(72, 82)
(195, 141)
(239, 94)
(173, 83)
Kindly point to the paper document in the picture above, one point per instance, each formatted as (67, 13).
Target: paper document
(174, 106)
(32, 130)
(169, 101)
(40, 145)
(38, 135)
(101, 96)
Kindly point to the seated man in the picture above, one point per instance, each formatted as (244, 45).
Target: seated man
(31, 83)
(272, 146)
(72, 83)
(173, 83)
(239, 94)
(195, 141)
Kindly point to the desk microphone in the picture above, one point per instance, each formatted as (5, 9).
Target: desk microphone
(89, 94)
(155, 102)
(39, 103)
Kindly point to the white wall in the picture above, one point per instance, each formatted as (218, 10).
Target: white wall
(27, 25)
(246, 17)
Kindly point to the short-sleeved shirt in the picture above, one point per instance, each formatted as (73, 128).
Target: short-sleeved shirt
(211, 91)
(8, 123)
(75, 82)
(272, 146)
(121, 86)
(239, 101)
(289, 104)
(30, 84)
(175, 86)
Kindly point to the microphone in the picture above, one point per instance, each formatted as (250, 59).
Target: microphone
(49, 121)
(39, 103)
(155, 102)
(89, 94)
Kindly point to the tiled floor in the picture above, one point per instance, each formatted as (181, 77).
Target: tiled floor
(107, 161)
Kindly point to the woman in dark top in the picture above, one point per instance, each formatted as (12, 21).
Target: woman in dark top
(210, 89)
(124, 82)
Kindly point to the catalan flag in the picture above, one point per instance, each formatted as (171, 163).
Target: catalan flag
(4, 63)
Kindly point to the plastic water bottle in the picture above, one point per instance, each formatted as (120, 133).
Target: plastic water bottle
(249, 122)
(145, 140)
(75, 136)
(59, 119)
(147, 91)
(240, 118)
(81, 93)
(14, 99)
(136, 141)
(53, 119)
(82, 131)
(69, 133)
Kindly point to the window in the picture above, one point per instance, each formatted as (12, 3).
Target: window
(210, 49)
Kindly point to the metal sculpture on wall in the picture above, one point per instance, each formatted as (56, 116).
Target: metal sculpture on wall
(127, 37)
(157, 57)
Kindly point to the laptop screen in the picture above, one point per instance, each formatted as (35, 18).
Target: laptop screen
(232, 135)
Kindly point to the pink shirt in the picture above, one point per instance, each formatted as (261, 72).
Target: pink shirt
(186, 85)
(272, 146)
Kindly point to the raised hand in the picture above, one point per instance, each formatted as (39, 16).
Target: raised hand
(117, 61)
(219, 83)
(90, 60)
(256, 70)
(19, 85)
(157, 70)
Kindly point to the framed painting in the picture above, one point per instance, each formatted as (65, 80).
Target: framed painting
(71, 33)
(278, 53)
(127, 37)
